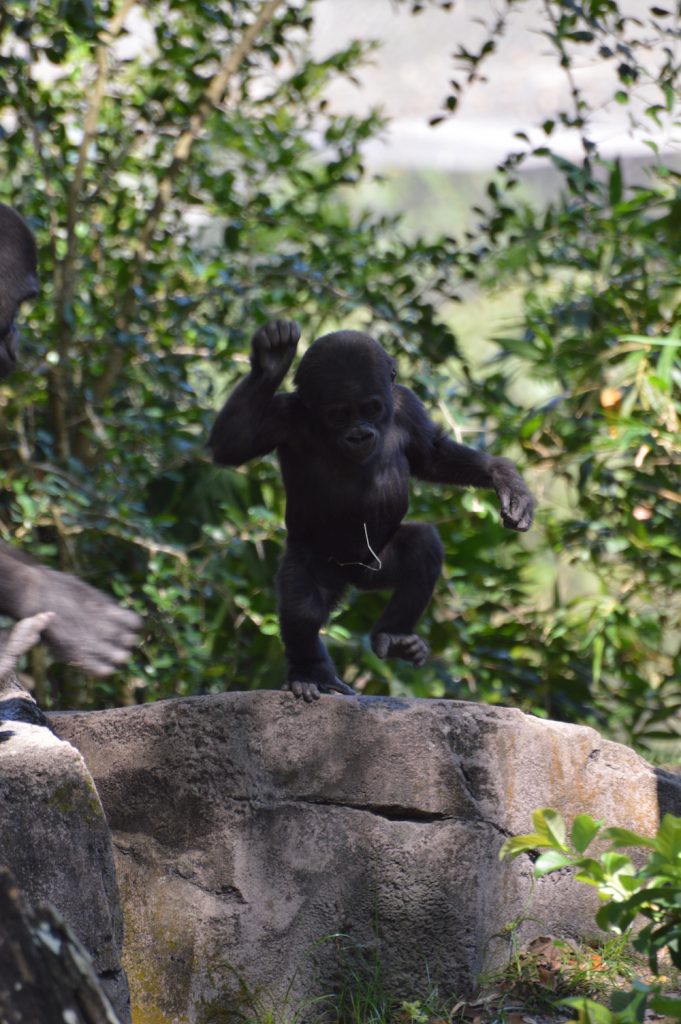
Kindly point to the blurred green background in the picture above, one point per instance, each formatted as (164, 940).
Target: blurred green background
(188, 177)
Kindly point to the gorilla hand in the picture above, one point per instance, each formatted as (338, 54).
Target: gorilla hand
(516, 502)
(87, 629)
(273, 348)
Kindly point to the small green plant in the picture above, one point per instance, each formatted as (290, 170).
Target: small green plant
(548, 969)
(365, 999)
(652, 892)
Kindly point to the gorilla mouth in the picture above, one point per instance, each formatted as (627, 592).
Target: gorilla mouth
(359, 449)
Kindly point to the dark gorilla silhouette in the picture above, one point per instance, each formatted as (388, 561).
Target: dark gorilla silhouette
(87, 628)
(348, 440)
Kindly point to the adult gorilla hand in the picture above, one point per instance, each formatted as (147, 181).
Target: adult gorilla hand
(87, 629)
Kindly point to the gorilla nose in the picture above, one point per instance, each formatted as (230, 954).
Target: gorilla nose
(360, 435)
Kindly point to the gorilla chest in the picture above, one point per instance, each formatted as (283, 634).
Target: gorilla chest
(321, 489)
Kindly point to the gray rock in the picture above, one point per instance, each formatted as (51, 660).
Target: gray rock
(55, 840)
(46, 975)
(263, 840)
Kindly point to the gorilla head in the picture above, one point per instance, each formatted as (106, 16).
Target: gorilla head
(18, 281)
(345, 380)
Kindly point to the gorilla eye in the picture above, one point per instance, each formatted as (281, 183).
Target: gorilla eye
(371, 409)
(393, 374)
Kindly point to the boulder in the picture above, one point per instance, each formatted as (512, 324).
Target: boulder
(265, 846)
(55, 839)
(46, 975)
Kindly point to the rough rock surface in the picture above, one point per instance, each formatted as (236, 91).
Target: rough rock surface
(55, 840)
(46, 975)
(251, 830)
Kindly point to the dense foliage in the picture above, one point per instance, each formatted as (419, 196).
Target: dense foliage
(187, 180)
(648, 895)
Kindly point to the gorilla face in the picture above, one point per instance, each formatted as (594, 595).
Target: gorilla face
(18, 281)
(345, 381)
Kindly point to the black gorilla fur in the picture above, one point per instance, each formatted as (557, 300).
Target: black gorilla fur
(88, 628)
(348, 440)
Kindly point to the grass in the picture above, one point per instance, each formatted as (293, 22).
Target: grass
(550, 969)
(525, 991)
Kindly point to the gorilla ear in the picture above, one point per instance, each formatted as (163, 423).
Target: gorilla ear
(393, 374)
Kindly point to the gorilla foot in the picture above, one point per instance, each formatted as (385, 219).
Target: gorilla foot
(312, 691)
(408, 646)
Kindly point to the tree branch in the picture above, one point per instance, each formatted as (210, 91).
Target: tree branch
(65, 270)
(212, 96)
(90, 124)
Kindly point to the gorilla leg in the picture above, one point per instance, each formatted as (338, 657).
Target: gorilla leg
(412, 562)
(304, 608)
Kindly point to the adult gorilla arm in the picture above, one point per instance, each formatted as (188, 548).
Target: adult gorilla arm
(435, 457)
(86, 628)
(18, 281)
(254, 420)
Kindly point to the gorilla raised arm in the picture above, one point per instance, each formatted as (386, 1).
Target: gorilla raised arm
(87, 628)
(348, 439)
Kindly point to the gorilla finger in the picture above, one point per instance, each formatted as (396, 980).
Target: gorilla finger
(278, 334)
(380, 644)
(523, 514)
(296, 688)
(90, 663)
(32, 626)
(259, 340)
(95, 668)
(520, 524)
(126, 619)
(119, 656)
(41, 620)
(505, 502)
(509, 521)
(294, 336)
(301, 688)
(338, 686)
(128, 640)
(102, 659)
(112, 635)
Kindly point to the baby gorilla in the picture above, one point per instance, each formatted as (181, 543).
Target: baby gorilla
(348, 440)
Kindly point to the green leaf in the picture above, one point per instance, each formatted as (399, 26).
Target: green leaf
(588, 1011)
(667, 1006)
(549, 823)
(516, 845)
(552, 860)
(625, 837)
(584, 830)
